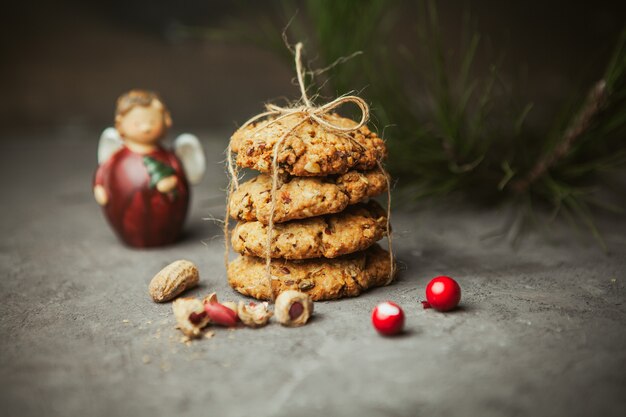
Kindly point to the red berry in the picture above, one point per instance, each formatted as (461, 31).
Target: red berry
(443, 293)
(388, 318)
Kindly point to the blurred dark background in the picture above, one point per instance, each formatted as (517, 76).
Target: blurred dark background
(64, 62)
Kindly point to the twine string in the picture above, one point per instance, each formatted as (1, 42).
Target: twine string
(274, 190)
(392, 265)
(308, 112)
(233, 184)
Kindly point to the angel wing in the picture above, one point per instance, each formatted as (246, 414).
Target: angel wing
(189, 150)
(110, 142)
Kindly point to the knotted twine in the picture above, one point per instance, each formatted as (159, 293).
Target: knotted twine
(308, 112)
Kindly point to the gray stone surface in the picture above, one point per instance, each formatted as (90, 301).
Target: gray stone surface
(541, 331)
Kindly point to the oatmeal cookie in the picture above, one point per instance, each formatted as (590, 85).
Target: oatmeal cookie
(330, 236)
(310, 150)
(303, 197)
(322, 279)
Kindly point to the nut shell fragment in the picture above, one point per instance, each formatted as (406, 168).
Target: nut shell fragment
(293, 308)
(190, 316)
(232, 305)
(172, 280)
(254, 315)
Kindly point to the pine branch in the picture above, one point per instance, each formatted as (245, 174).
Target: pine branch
(577, 128)
(450, 129)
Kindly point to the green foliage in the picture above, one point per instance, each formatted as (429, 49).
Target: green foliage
(448, 129)
(157, 170)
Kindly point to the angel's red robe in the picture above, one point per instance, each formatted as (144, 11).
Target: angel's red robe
(140, 214)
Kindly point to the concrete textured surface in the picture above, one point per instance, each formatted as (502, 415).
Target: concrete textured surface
(541, 331)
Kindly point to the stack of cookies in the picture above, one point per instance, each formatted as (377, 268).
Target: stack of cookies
(325, 228)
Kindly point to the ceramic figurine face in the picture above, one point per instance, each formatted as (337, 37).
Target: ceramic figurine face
(143, 124)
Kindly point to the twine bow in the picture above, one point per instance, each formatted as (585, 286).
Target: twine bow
(308, 112)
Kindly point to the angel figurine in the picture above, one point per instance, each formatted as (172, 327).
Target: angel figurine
(142, 187)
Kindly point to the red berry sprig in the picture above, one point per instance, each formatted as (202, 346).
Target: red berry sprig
(388, 318)
(442, 293)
